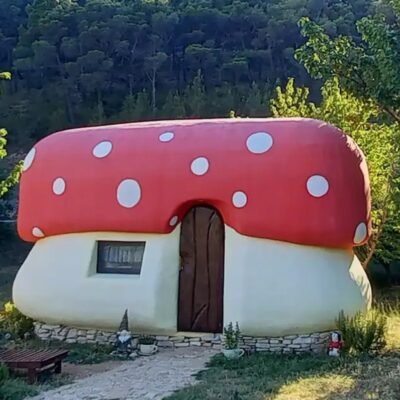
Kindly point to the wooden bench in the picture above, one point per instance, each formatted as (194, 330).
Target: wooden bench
(34, 361)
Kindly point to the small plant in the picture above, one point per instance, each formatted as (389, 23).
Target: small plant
(12, 321)
(146, 340)
(231, 336)
(4, 374)
(363, 333)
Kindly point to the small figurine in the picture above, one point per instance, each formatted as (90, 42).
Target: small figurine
(124, 338)
(335, 344)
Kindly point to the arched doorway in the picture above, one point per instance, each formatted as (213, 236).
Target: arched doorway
(201, 277)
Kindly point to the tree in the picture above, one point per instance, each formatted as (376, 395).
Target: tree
(368, 69)
(15, 174)
(195, 96)
(356, 117)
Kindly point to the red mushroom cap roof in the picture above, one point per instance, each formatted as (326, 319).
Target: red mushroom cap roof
(296, 180)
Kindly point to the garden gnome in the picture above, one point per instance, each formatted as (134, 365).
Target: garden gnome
(124, 337)
(335, 344)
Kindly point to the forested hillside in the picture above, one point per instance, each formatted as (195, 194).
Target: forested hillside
(77, 62)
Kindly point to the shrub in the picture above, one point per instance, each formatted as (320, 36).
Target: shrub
(145, 339)
(231, 336)
(16, 389)
(4, 374)
(12, 321)
(364, 332)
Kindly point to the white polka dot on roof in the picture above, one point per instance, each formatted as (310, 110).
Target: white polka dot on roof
(166, 137)
(102, 149)
(173, 221)
(317, 186)
(30, 157)
(129, 193)
(200, 166)
(59, 186)
(259, 142)
(239, 199)
(37, 232)
(360, 233)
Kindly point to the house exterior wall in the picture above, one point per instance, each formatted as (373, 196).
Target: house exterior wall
(58, 283)
(271, 288)
(275, 288)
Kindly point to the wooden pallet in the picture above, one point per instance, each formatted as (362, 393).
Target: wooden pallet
(34, 361)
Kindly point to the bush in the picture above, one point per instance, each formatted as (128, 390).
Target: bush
(12, 321)
(363, 333)
(16, 389)
(231, 336)
(4, 374)
(146, 339)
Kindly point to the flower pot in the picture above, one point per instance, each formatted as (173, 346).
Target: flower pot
(147, 349)
(233, 354)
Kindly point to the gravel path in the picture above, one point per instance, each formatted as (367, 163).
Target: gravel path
(145, 378)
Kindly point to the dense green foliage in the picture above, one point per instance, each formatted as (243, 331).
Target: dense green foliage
(368, 69)
(13, 322)
(363, 333)
(94, 61)
(12, 178)
(359, 119)
(12, 389)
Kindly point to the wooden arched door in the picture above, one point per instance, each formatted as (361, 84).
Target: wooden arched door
(201, 278)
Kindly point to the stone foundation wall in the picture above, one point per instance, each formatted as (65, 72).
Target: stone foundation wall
(316, 342)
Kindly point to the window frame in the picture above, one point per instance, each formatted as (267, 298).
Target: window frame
(102, 269)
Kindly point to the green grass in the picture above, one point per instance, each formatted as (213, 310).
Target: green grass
(17, 388)
(306, 377)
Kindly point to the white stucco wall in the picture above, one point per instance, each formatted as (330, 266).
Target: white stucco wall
(58, 283)
(271, 288)
(275, 288)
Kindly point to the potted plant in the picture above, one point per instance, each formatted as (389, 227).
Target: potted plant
(147, 345)
(231, 342)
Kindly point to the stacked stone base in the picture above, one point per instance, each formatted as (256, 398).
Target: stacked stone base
(315, 343)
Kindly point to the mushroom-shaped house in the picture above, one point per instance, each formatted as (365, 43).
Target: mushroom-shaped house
(192, 224)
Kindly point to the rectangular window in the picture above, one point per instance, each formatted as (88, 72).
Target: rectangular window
(120, 257)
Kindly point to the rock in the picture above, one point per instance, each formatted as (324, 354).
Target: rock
(276, 349)
(208, 338)
(274, 341)
(198, 344)
(162, 338)
(181, 344)
(165, 343)
(301, 340)
(72, 333)
(133, 355)
(263, 345)
(51, 327)
(177, 339)
(70, 341)
(195, 339)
